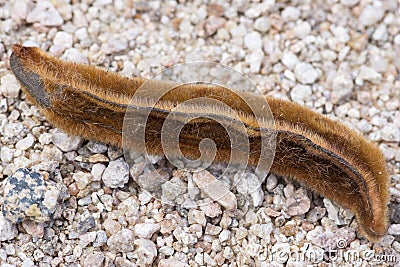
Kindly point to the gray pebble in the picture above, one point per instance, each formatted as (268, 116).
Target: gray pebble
(113, 152)
(101, 239)
(337, 214)
(272, 182)
(64, 141)
(85, 225)
(116, 174)
(395, 213)
(315, 214)
(122, 241)
(28, 196)
(8, 230)
(94, 259)
(96, 148)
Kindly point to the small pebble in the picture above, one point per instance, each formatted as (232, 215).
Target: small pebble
(9, 86)
(305, 73)
(28, 196)
(262, 24)
(215, 189)
(146, 230)
(171, 263)
(63, 39)
(8, 230)
(94, 259)
(64, 141)
(122, 241)
(146, 251)
(301, 93)
(253, 41)
(116, 174)
(46, 14)
(371, 15)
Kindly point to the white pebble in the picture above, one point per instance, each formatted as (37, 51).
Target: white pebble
(186, 27)
(63, 39)
(146, 230)
(341, 33)
(45, 138)
(253, 41)
(262, 24)
(302, 29)
(146, 252)
(9, 86)
(371, 15)
(349, 3)
(306, 73)
(64, 141)
(6, 154)
(301, 93)
(3, 105)
(255, 59)
(74, 55)
(394, 229)
(354, 113)
(81, 34)
(289, 59)
(121, 241)
(25, 143)
(380, 34)
(378, 63)
(224, 235)
(390, 133)
(397, 39)
(82, 179)
(116, 174)
(97, 171)
(369, 74)
(215, 189)
(171, 263)
(253, 12)
(262, 230)
(342, 110)
(46, 14)
(8, 230)
(290, 13)
(197, 216)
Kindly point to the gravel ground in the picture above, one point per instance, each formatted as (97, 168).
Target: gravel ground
(340, 58)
